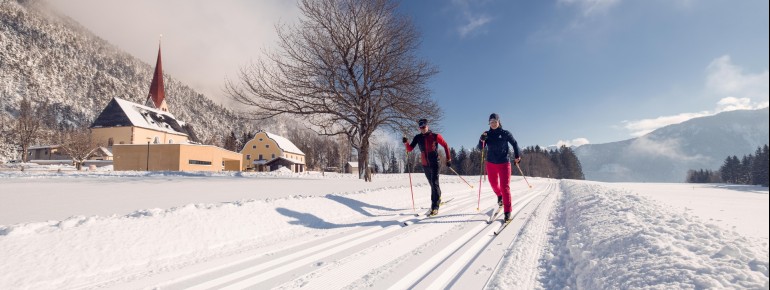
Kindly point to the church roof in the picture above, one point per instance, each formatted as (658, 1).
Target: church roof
(157, 93)
(120, 112)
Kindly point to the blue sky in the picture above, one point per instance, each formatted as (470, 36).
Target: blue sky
(600, 70)
(558, 71)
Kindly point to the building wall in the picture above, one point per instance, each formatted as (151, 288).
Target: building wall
(174, 157)
(133, 135)
(260, 144)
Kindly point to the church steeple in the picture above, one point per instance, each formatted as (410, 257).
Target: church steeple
(157, 96)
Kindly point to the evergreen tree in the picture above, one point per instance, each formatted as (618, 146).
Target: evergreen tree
(393, 168)
(231, 142)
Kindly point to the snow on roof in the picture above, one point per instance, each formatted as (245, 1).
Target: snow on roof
(149, 118)
(285, 144)
(353, 164)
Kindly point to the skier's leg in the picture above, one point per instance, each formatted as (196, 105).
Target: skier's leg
(435, 195)
(493, 177)
(505, 184)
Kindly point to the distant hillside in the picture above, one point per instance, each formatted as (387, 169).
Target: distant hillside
(666, 154)
(45, 56)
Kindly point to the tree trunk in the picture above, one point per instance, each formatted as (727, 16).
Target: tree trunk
(363, 160)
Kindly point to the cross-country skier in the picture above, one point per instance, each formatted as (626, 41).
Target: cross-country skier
(498, 161)
(428, 143)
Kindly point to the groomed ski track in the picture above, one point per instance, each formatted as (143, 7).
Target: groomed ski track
(455, 250)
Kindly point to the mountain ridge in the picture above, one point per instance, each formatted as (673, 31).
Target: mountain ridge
(666, 154)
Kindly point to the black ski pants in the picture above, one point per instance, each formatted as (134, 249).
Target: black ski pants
(431, 172)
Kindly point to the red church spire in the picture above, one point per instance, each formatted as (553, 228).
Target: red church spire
(157, 94)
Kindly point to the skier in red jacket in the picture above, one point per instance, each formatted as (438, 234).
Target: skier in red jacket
(428, 143)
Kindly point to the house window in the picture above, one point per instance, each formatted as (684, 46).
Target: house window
(253, 146)
(260, 139)
(110, 142)
(260, 156)
(248, 157)
(273, 156)
(170, 141)
(156, 140)
(199, 162)
(267, 145)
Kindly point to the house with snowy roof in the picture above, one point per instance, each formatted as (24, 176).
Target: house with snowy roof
(268, 152)
(149, 137)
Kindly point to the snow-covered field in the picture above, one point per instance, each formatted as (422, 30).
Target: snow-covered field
(138, 230)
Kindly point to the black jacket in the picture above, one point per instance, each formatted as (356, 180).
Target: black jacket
(497, 146)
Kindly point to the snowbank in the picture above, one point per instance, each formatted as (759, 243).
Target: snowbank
(612, 239)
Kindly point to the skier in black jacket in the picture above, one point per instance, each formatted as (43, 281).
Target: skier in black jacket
(498, 161)
(428, 143)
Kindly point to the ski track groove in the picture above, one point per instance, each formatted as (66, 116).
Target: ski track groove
(454, 250)
(301, 256)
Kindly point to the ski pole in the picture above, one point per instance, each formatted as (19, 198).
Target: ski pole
(458, 175)
(522, 175)
(406, 166)
(481, 174)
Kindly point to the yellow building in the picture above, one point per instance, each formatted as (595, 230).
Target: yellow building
(268, 152)
(175, 157)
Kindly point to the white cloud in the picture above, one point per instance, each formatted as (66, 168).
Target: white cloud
(574, 142)
(472, 21)
(203, 41)
(591, 7)
(739, 91)
(728, 80)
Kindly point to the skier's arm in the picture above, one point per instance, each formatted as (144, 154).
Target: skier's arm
(441, 142)
(515, 146)
(482, 139)
(410, 147)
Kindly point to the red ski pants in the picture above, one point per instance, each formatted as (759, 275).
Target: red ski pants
(500, 180)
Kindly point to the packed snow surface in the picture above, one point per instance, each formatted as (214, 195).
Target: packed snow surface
(170, 230)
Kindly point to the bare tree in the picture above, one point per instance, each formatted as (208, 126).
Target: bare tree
(348, 67)
(78, 144)
(27, 127)
(383, 152)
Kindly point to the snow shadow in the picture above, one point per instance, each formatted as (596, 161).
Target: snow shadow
(743, 188)
(359, 206)
(314, 222)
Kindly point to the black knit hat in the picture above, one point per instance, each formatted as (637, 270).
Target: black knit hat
(422, 122)
(494, 116)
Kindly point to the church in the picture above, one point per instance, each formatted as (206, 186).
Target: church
(148, 137)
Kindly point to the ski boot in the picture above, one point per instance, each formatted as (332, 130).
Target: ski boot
(507, 217)
(500, 200)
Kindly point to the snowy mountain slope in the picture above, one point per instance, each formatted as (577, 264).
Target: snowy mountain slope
(575, 234)
(50, 57)
(666, 154)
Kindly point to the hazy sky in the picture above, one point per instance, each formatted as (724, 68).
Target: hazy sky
(557, 72)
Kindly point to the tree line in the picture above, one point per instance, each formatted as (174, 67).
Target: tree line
(751, 169)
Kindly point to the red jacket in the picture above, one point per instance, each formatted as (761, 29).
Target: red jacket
(428, 144)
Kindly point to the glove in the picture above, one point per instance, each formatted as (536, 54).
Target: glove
(483, 137)
(404, 140)
(449, 163)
